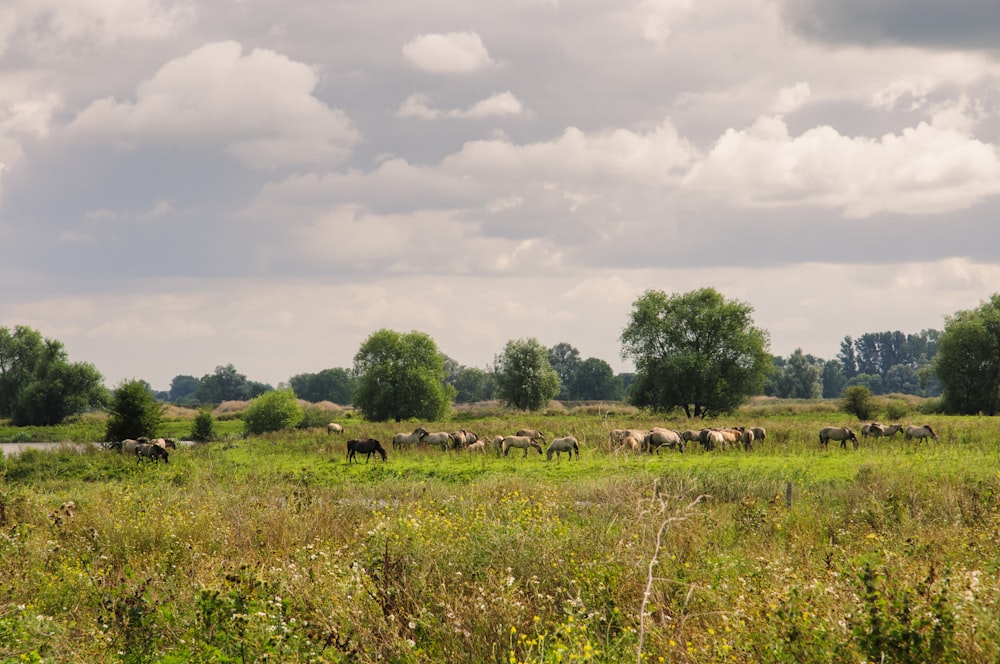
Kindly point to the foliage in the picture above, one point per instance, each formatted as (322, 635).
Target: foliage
(858, 401)
(276, 410)
(525, 379)
(694, 351)
(203, 426)
(400, 376)
(133, 412)
(183, 389)
(595, 380)
(968, 360)
(472, 384)
(336, 385)
(227, 384)
(834, 380)
(800, 377)
(878, 353)
(38, 384)
(565, 361)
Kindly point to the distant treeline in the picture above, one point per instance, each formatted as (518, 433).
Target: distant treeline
(884, 362)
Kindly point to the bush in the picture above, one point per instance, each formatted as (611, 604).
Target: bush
(133, 413)
(858, 401)
(203, 429)
(896, 410)
(272, 411)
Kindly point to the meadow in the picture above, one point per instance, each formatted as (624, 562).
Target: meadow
(276, 549)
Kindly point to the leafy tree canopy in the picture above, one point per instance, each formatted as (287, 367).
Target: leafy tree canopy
(401, 376)
(596, 380)
(336, 385)
(524, 377)
(968, 360)
(694, 351)
(38, 384)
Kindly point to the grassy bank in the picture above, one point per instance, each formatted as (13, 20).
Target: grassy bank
(276, 549)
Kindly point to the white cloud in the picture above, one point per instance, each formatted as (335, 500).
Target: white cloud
(659, 18)
(791, 99)
(260, 106)
(451, 53)
(927, 169)
(503, 103)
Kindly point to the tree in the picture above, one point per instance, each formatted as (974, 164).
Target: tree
(336, 385)
(183, 389)
(968, 360)
(834, 380)
(133, 412)
(275, 410)
(472, 385)
(801, 377)
(226, 384)
(524, 377)
(694, 351)
(38, 384)
(565, 360)
(596, 380)
(400, 376)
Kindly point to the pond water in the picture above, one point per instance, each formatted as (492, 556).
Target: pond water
(10, 449)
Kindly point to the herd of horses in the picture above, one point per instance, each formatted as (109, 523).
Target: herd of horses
(524, 439)
(619, 440)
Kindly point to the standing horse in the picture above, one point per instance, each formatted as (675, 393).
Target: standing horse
(843, 434)
(567, 444)
(407, 439)
(151, 452)
(520, 442)
(368, 446)
(660, 437)
(920, 433)
(333, 427)
(885, 430)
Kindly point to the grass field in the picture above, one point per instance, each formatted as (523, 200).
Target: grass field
(276, 549)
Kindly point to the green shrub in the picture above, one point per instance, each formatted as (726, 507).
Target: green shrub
(858, 401)
(203, 428)
(133, 412)
(896, 409)
(272, 411)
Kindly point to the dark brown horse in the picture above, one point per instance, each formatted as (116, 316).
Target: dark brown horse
(368, 446)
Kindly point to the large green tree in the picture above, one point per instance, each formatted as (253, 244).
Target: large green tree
(38, 383)
(968, 360)
(801, 377)
(695, 351)
(401, 376)
(524, 377)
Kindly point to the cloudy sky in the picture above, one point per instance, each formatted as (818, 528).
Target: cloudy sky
(186, 184)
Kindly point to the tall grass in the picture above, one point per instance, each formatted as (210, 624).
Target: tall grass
(274, 548)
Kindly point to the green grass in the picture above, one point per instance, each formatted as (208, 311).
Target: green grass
(276, 549)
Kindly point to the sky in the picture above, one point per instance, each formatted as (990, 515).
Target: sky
(186, 185)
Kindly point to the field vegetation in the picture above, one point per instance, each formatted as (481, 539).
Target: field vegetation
(274, 548)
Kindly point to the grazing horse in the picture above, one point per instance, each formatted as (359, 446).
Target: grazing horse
(165, 443)
(759, 433)
(367, 446)
(533, 434)
(151, 452)
(920, 433)
(128, 445)
(567, 444)
(660, 437)
(333, 427)
(478, 446)
(866, 430)
(407, 439)
(884, 430)
(440, 438)
(520, 442)
(843, 434)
